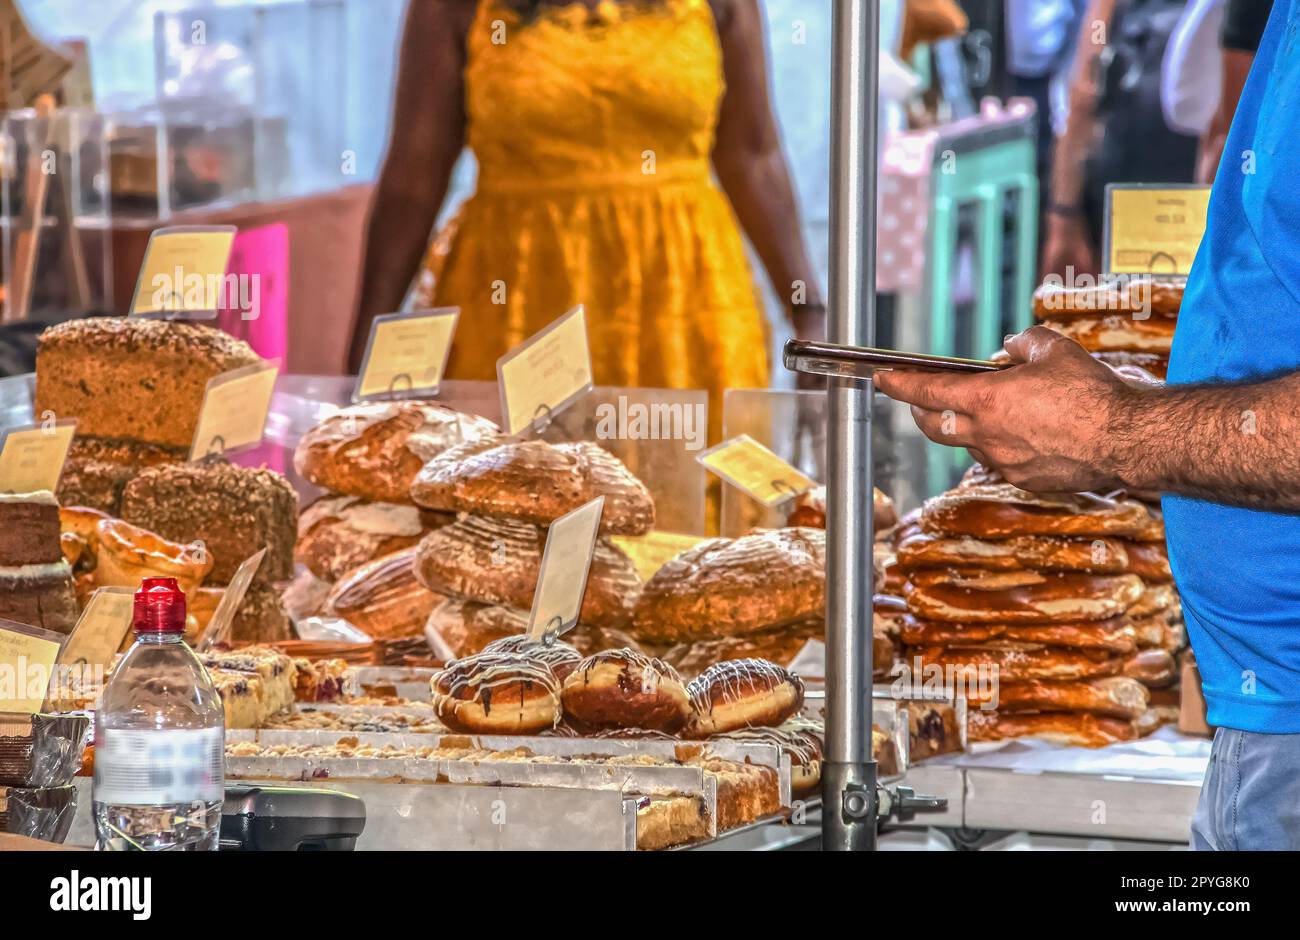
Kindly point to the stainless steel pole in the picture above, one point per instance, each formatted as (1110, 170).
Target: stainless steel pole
(849, 774)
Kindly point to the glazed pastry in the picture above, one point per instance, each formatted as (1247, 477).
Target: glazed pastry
(623, 688)
(497, 693)
(742, 693)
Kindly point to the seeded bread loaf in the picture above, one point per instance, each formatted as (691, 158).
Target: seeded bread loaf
(99, 468)
(135, 378)
(232, 510)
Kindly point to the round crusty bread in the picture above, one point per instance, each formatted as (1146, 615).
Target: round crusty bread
(1050, 598)
(497, 562)
(1066, 728)
(535, 482)
(1118, 333)
(809, 509)
(779, 646)
(375, 450)
(383, 598)
(338, 533)
(730, 587)
(1000, 510)
(1038, 552)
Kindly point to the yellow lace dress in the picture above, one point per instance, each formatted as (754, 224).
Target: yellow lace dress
(592, 130)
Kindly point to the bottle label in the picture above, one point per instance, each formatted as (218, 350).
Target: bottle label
(159, 767)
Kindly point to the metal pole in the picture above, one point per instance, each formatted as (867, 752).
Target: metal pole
(849, 774)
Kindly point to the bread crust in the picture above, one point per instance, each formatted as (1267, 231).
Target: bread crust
(1012, 662)
(535, 482)
(1066, 728)
(1112, 697)
(383, 597)
(1118, 333)
(1000, 510)
(734, 587)
(1154, 296)
(1116, 635)
(338, 533)
(1038, 552)
(374, 451)
(136, 378)
(498, 563)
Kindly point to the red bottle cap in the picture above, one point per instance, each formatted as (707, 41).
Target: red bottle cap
(159, 607)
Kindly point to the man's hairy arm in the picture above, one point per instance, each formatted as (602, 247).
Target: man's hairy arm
(1236, 443)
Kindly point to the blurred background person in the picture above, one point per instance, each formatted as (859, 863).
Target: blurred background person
(598, 128)
(1117, 130)
(1240, 26)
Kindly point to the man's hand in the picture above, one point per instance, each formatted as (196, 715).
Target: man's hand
(1045, 423)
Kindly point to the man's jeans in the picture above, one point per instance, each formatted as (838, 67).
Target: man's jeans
(1250, 800)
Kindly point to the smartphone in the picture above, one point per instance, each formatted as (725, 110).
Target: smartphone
(860, 361)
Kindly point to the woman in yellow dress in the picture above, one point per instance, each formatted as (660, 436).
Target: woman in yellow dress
(598, 128)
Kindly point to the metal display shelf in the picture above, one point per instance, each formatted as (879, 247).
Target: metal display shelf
(1144, 790)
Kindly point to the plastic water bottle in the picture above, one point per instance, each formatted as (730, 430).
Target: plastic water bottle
(159, 737)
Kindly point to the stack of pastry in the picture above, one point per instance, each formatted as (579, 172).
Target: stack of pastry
(1122, 323)
(1057, 613)
(487, 562)
(357, 541)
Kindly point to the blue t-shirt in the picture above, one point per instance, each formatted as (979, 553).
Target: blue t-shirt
(1238, 570)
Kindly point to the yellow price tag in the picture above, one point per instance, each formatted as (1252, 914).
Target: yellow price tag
(32, 458)
(100, 629)
(407, 354)
(234, 410)
(27, 658)
(545, 374)
(566, 561)
(184, 270)
(749, 466)
(652, 551)
(1153, 230)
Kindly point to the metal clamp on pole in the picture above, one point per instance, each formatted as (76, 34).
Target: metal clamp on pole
(849, 773)
(903, 804)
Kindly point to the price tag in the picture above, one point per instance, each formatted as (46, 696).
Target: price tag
(32, 458)
(183, 274)
(407, 354)
(234, 410)
(749, 466)
(652, 551)
(545, 374)
(566, 561)
(1154, 229)
(27, 658)
(218, 627)
(100, 629)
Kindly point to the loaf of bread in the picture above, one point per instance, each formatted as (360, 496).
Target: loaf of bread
(98, 469)
(778, 646)
(457, 628)
(261, 617)
(498, 563)
(374, 451)
(731, 587)
(383, 598)
(136, 378)
(535, 482)
(232, 510)
(809, 509)
(338, 533)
